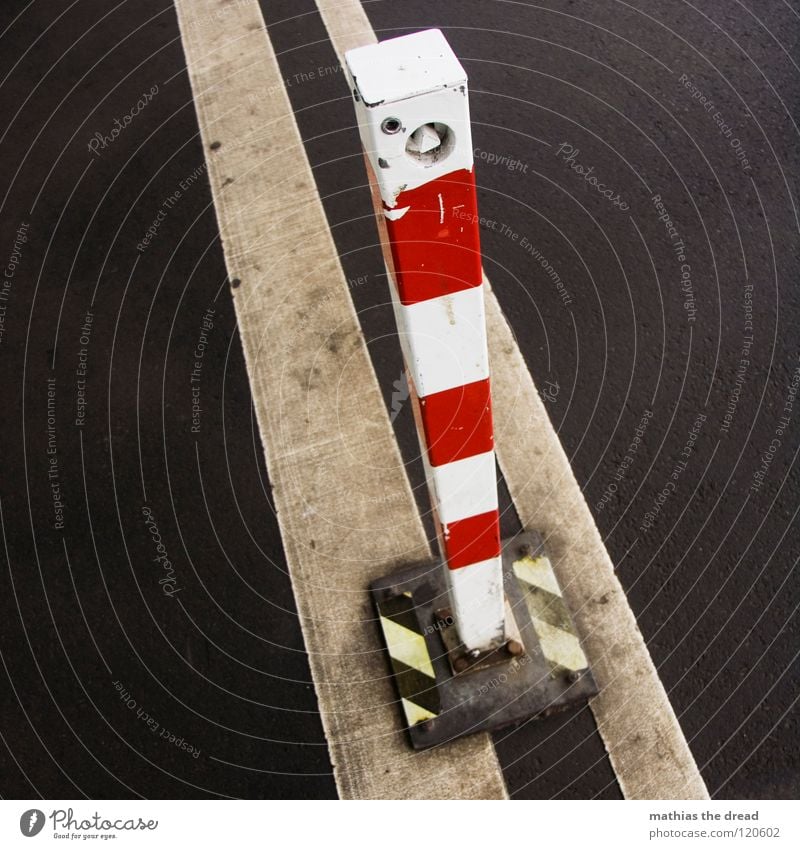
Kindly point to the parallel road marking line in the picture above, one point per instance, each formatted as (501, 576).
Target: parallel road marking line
(645, 743)
(339, 531)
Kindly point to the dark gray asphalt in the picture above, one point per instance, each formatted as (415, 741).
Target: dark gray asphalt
(707, 550)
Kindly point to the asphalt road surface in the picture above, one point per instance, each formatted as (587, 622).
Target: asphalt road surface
(658, 316)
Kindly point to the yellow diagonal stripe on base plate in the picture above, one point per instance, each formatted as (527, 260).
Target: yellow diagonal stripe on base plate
(415, 713)
(407, 646)
(550, 616)
(537, 571)
(559, 646)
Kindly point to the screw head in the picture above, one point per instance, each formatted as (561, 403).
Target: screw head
(525, 550)
(390, 126)
(461, 664)
(515, 648)
(444, 617)
(574, 675)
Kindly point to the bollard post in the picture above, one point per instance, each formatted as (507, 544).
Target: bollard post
(484, 639)
(413, 114)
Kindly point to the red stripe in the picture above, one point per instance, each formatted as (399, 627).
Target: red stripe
(436, 245)
(471, 540)
(457, 422)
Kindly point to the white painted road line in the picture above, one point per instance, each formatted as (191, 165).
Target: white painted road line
(345, 508)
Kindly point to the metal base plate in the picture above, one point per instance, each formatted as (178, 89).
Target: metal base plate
(549, 676)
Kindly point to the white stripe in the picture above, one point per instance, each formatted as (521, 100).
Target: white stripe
(476, 595)
(443, 339)
(464, 488)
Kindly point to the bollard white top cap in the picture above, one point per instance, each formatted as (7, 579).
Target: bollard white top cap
(404, 67)
(411, 102)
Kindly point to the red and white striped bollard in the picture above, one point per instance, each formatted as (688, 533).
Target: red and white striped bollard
(413, 115)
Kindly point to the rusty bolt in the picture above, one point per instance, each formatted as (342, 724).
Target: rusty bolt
(461, 664)
(515, 648)
(445, 615)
